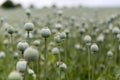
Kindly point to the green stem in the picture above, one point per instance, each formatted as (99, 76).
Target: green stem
(59, 62)
(28, 35)
(66, 77)
(38, 70)
(60, 73)
(22, 54)
(45, 66)
(115, 44)
(65, 50)
(29, 17)
(11, 41)
(89, 63)
(93, 66)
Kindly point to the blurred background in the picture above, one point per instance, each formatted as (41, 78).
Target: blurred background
(59, 3)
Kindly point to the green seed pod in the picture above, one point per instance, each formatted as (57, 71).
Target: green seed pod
(14, 75)
(54, 31)
(11, 29)
(6, 42)
(94, 47)
(115, 30)
(21, 66)
(29, 26)
(67, 31)
(31, 54)
(16, 55)
(51, 44)
(58, 26)
(78, 46)
(28, 12)
(2, 54)
(81, 30)
(62, 65)
(36, 43)
(2, 19)
(59, 13)
(62, 35)
(30, 71)
(22, 45)
(45, 32)
(55, 50)
(100, 38)
(87, 39)
(57, 39)
(109, 53)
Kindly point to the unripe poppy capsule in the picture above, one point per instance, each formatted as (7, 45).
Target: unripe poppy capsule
(29, 26)
(45, 32)
(94, 47)
(14, 75)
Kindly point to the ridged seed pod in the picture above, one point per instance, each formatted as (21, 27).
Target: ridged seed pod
(31, 54)
(21, 66)
(55, 50)
(94, 47)
(45, 32)
(29, 26)
(22, 45)
(14, 75)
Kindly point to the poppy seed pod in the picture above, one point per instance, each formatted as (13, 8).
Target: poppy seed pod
(87, 39)
(14, 75)
(109, 53)
(62, 35)
(29, 26)
(67, 31)
(61, 50)
(57, 39)
(81, 30)
(45, 32)
(31, 54)
(73, 19)
(118, 37)
(16, 55)
(78, 47)
(30, 71)
(115, 30)
(55, 50)
(22, 45)
(1, 19)
(61, 65)
(21, 66)
(36, 43)
(28, 12)
(106, 32)
(6, 42)
(52, 44)
(54, 31)
(94, 47)
(100, 38)
(2, 55)
(59, 13)
(11, 29)
(58, 26)
(6, 35)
